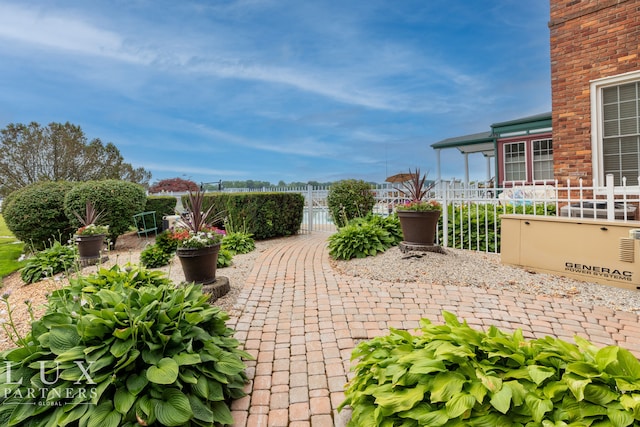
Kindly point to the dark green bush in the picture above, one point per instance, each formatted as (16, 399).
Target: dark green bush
(119, 200)
(162, 206)
(124, 347)
(349, 199)
(56, 259)
(454, 375)
(154, 256)
(165, 242)
(35, 214)
(264, 215)
(362, 238)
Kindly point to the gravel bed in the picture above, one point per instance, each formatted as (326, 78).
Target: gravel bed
(479, 269)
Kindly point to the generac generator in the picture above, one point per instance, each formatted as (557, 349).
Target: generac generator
(592, 250)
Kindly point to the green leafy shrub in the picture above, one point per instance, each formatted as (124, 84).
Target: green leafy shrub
(265, 215)
(225, 258)
(239, 243)
(349, 199)
(165, 242)
(477, 226)
(119, 201)
(154, 256)
(53, 260)
(124, 347)
(391, 224)
(160, 253)
(359, 239)
(35, 214)
(454, 375)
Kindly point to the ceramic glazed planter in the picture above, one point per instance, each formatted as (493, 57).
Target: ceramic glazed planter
(419, 228)
(199, 265)
(89, 247)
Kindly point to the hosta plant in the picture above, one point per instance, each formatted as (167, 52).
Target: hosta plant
(391, 224)
(55, 259)
(363, 237)
(453, 375)
(238, 242)
(225, 258)
(123, 347)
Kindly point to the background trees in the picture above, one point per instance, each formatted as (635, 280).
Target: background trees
(59, 152)
(173, 184)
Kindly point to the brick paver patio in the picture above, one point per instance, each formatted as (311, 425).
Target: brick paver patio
(301, 321)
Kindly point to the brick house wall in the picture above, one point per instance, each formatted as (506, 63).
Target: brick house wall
(590, 39)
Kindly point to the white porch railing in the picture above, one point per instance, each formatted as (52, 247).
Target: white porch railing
(472, 217)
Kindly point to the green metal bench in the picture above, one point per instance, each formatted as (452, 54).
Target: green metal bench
(145, 223)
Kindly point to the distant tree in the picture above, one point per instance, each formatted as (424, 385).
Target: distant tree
(173, 184)
(59, 152)
(246, 184)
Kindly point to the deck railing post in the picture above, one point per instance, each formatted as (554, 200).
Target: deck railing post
(611, 213)
(310, 206)
(445, 218)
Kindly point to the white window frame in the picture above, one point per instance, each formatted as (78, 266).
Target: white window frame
(533, 160)
(526, 161)
(596, 86)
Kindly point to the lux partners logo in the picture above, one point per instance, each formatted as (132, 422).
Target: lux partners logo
(15, 392)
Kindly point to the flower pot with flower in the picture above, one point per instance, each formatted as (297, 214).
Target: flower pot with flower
(198, 241)
(90, 237)
(418, 215)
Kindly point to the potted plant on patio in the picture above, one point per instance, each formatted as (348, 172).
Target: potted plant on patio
(418, 215)
(198, 241)
(90, 236)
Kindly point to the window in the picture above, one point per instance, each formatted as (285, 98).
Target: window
(515, 164)
(542, 159)
(615, 103)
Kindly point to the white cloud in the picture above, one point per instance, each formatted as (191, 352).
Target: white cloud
(50, 30)
(358, 82)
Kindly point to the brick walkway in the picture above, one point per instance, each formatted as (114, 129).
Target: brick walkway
(301, 321)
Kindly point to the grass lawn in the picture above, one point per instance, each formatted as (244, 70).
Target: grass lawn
(10, 250)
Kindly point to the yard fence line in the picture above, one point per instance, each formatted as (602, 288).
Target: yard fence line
(471, 214)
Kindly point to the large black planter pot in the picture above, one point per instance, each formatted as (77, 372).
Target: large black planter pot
(419, 228)
(199, 265)
(89, 247)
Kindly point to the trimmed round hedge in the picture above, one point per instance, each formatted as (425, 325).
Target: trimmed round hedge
(350, 199)
(35, 214)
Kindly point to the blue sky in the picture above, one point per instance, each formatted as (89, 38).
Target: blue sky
(275, 90)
